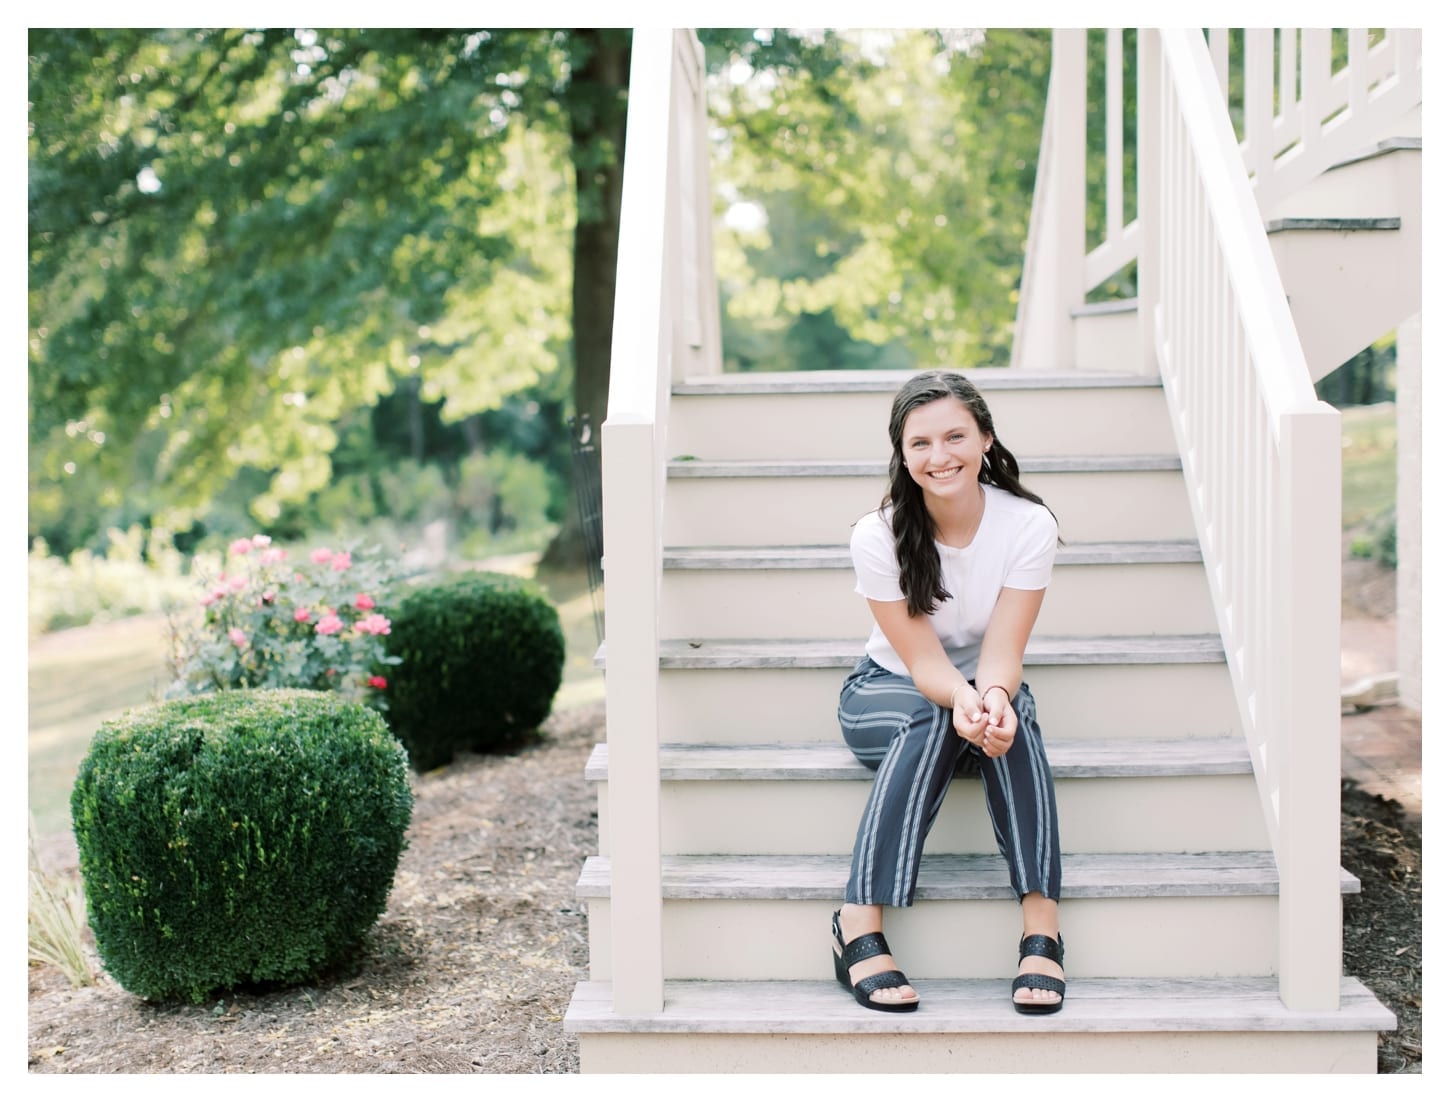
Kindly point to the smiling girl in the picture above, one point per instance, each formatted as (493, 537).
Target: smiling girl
(954, 565)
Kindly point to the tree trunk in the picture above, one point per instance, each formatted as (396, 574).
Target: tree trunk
(596, 102)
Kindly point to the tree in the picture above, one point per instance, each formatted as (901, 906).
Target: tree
(238, 237)
(896, 169)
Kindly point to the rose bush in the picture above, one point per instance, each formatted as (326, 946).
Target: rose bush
(266, 621)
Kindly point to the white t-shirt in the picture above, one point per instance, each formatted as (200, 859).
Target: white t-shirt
(1015, 546)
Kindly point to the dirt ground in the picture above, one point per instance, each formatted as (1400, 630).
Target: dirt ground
(472, 965)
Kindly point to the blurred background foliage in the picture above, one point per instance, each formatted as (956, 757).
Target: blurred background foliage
(357, 282)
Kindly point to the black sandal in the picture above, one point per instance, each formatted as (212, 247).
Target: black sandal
(863, 948)
(1040, 945)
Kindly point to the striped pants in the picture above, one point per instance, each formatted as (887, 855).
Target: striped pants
(912, 747)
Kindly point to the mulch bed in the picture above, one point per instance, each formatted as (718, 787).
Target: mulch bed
(473, 964)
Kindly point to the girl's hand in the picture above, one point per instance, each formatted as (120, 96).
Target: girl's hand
(968, 716)
(1001, 726)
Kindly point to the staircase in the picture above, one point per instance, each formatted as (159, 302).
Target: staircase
(728, 803)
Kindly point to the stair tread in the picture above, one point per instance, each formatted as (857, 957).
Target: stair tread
(1279, 225)
(977, 1006)
(872, 468)
(954, 876)
(825, 761)
(888, 382)
(1047, 650)
(838, 556)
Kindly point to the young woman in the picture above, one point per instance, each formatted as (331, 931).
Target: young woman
(954, 565)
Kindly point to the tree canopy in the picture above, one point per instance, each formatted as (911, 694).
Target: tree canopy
(237, 237)
(258, 257)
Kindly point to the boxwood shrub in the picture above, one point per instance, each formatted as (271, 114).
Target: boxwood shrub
(237, 838)
(483, 656)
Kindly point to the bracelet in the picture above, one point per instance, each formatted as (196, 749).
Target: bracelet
(989, 688)
(959, 688)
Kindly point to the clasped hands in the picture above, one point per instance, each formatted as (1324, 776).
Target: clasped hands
(989, 724)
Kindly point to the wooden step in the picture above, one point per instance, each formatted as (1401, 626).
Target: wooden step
(964, 1025)
(960, 876)
(1199, 794)
(1070, 758)
(754, 502)
(1138, 587)
(762, 916)
(842, 654)
(1034, 413)
(736, 691)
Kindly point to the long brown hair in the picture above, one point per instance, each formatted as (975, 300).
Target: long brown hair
(911, 524)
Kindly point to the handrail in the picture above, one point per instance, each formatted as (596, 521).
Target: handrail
(1261, 462)
(665, 322)
(1333, 117)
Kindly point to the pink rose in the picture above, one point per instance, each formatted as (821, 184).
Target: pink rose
(322, 554)
(273, 554)
(376, 624)
(210, 598)
(329, 625)
(341, 561)
(261, 541)
(239, 637)
(363, 602)
(237, 584)
(376, 682)
(219, 592)
(268, 597)
(302, 615)
(240, 547)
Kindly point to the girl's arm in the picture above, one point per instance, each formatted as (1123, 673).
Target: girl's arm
(916, 643)
(1000, 663)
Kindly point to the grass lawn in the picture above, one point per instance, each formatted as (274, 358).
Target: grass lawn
(1369, 437)
(80, 678)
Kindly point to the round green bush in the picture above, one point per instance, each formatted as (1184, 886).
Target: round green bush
(239, 837)
(483, 656)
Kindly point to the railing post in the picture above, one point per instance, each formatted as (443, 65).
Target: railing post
(1053, 269)
(698, 350)
(1307, 571)
(1151, 151)
(633, 448)
(1068, 245)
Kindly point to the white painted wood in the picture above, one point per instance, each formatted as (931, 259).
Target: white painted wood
(1306, 742)
(1227, 1005)
(750, 601)
(1171, 935)
(1097, 815)
(952, 1054)
(1409, 524)
(1103, 340)
(1245, 477)
(1060, 419)
(756, 504)
(1052, 273)
(1347, 287)
(747, 705)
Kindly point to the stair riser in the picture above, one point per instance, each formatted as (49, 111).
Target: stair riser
(1087, 421)
(735, 706)
(1129, 599)
(1369, 188)
(1095, 815)
(772, 511)
(1102, 342)
(1172, 937)
(1163, 1053)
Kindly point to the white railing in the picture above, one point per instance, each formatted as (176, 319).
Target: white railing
(666, 324)
(1295, 127)
(1261, 462)
(1320, 116)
